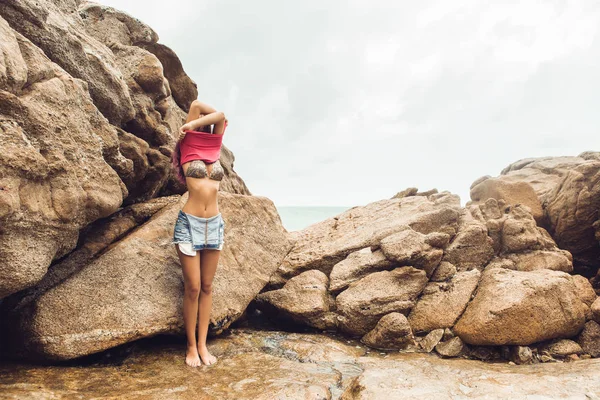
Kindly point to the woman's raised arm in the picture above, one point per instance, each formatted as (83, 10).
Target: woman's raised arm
(198, 107)
(210, 119)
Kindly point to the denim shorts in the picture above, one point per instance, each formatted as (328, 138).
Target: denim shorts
(198, 233)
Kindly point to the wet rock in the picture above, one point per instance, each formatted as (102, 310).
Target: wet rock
(441, 303)
(273, 364)
(392, 332)
(448, 378)
(520, 308)
(304, 298)
(367, 300)
(134, 289)
(429, 342)
(450, 348)
(355, 266)
(589, 338)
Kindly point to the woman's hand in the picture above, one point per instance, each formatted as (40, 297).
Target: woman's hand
(184, 127)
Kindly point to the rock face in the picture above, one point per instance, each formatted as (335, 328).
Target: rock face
(324, 244)
(89, 101)
(487, 274)
(518, 192)
(520, 308)
(89, 104)
(134, 288)
(569, 192)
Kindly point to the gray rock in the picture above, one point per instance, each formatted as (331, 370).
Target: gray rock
(429, 342)
(451, 348)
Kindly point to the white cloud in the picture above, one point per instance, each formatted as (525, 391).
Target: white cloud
(347, 102)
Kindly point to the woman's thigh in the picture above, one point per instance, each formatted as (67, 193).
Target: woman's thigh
(190, 266)
(208, 264)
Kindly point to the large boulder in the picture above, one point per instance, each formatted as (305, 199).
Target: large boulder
(304, 298)
(518, 192)
(441, 303)
(520, 308)
(134, 288)
(368, 299)
(392, 332)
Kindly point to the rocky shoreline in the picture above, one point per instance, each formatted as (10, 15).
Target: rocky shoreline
(267, 364)
(512, 276)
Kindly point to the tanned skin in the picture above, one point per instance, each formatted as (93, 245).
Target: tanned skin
(199, 270)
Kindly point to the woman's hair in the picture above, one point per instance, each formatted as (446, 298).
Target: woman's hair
(176, 155)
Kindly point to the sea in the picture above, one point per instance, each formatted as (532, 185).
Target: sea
(295, 218)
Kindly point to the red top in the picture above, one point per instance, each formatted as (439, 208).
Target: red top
(196, 146)
(201, 146)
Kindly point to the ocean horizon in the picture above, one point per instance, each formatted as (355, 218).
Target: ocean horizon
(296, 218)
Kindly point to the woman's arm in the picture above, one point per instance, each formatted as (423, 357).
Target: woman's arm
(201, 108)
(210, 119)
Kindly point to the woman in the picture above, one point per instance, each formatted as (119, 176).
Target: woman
(199, 230)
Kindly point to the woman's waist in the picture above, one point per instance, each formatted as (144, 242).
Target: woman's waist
(201, 205)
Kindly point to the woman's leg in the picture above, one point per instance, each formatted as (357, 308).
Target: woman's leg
(191, 281)
(209, 260)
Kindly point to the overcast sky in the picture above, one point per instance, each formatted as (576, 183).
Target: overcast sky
(348, 102)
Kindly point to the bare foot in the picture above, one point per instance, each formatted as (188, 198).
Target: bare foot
(191, 357)
(206, 357)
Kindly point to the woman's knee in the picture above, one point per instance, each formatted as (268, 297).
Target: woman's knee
(206, 288)
(192, 291)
